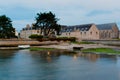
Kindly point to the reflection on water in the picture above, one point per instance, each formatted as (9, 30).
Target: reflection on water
(94, 57)
(57, 65)
(7, 53)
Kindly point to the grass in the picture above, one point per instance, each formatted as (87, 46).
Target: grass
(40, 49)
(101, 50)
(83, 42)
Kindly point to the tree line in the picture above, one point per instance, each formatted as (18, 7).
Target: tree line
(45, 21)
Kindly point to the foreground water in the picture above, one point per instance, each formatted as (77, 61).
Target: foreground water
(35, 65)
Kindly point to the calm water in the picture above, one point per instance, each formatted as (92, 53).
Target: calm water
(35, 65)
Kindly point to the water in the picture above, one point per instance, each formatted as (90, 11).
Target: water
(36, 65)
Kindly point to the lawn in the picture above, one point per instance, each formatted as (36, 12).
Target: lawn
(83, 42)
(40, 49)
(102, 50)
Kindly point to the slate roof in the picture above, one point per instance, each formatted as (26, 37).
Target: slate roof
(84, 27)
(107, 26)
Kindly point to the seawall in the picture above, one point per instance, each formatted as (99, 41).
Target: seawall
(106, 42)
(14, 43)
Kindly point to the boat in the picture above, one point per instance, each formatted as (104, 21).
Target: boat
(23, 46)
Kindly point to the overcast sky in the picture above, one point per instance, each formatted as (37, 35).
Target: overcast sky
(70, 12)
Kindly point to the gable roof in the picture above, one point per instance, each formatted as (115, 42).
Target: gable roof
(84, 27)
(107, 26)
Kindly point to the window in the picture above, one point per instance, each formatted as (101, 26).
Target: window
(84, 32)
(96, 32)
(69, 33)
(38, 31)
(81, 33)
(82, 29)
(91, 33)
(86, 28)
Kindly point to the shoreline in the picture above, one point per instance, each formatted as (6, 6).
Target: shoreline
(60, 45)
(67, 46)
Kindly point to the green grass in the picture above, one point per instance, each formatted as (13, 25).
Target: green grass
(101, 50)
(83, 42)
(40, 49)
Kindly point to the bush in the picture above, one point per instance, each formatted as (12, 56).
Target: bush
(72, 39)
(63, 39)
(35, 36)
(83, 42)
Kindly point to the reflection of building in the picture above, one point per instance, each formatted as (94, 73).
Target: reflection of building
(91, 31)
(90, 56)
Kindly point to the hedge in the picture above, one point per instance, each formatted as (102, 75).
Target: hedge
(35, 36)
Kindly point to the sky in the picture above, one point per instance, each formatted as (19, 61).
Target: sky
(69, 12)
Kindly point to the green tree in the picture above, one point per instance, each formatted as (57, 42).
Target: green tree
(47, 22)
(6, 29)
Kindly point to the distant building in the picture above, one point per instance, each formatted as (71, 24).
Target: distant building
(16, 33)
(108, 31)
(91, 31)
(81, 32)
(119, 34)
(27, 31)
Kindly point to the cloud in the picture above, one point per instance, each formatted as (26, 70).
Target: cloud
(70, 12)
(87, 4)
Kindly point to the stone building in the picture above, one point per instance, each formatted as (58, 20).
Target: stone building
(27, 31)
(92, 31)
(108, 31)
(119, 34)
(81, 32)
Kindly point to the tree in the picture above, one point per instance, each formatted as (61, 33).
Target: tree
(47, 22)
(6, 29)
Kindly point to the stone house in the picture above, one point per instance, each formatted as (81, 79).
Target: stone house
(119, 34)
(92, 31)
(27, 31)
(81, 32)
(108, 31)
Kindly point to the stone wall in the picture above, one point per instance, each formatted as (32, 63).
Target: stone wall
(25, 42)
(106, 42)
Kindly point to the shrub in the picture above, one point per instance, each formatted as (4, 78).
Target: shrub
(72, 39)
(35, 36)
(64, 39)
(83, 42)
